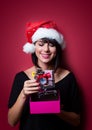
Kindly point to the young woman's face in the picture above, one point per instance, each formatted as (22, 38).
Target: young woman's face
(45, 52)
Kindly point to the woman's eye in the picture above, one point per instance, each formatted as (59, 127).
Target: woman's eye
(41, 44)
(51, 44)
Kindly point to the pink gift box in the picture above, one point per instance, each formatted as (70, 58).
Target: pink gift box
(50, 106)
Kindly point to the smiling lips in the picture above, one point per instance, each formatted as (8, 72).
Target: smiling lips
(46, 56)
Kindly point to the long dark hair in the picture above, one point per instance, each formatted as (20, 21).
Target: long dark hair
(58, 58)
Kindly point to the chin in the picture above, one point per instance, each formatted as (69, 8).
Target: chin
(45, 61)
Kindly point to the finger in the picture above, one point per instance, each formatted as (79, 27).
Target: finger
(30, 81)
(31, 92)
(31, 84)
(32, 89)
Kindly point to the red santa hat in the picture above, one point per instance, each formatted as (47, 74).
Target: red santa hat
(43, 29)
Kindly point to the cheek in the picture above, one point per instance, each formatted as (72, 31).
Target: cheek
(54, 54)
(54, 51)
(37, 51)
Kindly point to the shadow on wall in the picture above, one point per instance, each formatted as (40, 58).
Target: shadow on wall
(83, 111)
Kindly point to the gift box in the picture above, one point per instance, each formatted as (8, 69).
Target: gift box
(47, 100)
(45, 104)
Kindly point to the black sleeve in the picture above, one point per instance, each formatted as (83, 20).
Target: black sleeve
(16, 88)
(75, 95)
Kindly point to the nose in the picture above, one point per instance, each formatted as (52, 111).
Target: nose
(46, 47)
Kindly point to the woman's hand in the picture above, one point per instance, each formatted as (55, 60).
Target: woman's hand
(30, 86)
(70, 117)
(14, 113)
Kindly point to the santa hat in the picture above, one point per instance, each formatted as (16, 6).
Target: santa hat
(43, 29)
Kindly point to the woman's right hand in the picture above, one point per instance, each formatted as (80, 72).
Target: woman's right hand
(30, 87)
(14, 113)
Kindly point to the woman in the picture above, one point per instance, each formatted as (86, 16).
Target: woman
(45, 43)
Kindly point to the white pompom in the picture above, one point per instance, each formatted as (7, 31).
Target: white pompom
(29, 48)
(63, 43)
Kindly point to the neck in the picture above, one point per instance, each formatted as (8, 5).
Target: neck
(45, 66)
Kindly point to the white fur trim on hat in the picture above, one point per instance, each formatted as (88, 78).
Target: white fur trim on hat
(47, 33)
(29, 48)
(44, 33)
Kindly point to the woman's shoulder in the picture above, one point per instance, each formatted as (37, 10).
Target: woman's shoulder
(61, 74)
(29, 72)
(24, 73)
(65, 75)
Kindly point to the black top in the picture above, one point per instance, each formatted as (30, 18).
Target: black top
(70, 98)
